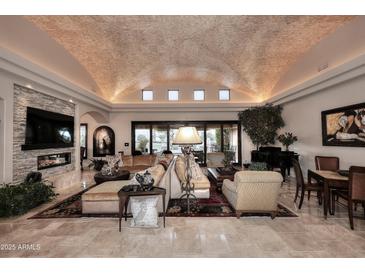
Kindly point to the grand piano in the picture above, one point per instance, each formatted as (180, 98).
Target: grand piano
(274, 157)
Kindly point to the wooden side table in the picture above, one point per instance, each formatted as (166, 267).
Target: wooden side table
(125, 196)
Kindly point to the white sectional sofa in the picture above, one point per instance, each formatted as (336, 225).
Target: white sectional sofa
(103, 199)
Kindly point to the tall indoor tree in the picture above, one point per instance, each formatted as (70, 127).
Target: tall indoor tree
(261, 123)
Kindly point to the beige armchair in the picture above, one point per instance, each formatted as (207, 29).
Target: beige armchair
(215, 159)
(253, 192)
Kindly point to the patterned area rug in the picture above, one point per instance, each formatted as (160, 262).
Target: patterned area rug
(216, 206)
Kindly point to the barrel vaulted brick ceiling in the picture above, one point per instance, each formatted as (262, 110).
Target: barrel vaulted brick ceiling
(248, 54)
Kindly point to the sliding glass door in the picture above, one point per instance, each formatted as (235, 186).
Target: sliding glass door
(142, 139)
(230, 139)
(214, 140)
(175, 149)
(199, 150)
(158, 136)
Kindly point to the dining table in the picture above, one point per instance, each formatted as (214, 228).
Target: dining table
(329, 179)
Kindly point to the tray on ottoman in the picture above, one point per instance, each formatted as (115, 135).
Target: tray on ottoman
(120, 175)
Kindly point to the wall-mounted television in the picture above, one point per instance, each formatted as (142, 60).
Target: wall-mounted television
(46, 129)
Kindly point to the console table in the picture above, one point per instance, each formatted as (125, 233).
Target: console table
(124, 200)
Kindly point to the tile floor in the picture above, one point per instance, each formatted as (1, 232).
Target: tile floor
(309, 235)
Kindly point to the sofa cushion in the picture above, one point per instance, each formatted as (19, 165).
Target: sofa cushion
(180, 168)
(202, 183)
(127, 160)
(230, 185)
(251, 176)
(107, 191)
(196, 172)
(144, 160)
(135, 169)
(157, 173)
(163, 157)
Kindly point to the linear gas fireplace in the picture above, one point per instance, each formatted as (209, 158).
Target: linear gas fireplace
(53, 160)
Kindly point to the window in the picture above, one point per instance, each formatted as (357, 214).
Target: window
(199, 95)
(224, 95)
(198, 150)
(147, 95)
(173, 95)
(159, 138)
(173, 130)
(214, 138)
(142, 139)
(230, 138)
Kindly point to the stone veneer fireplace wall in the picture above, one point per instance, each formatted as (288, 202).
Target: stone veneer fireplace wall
(25, 161)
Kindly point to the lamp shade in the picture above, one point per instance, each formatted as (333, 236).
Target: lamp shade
(187, 136)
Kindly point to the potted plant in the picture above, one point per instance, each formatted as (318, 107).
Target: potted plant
(97, 164)
(228, 158)
(287, 139)
(261, 123)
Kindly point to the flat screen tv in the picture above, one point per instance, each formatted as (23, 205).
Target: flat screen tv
(46, 129)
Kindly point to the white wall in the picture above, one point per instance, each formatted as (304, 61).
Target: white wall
(6, 93)
(121, 124)
(303, 117)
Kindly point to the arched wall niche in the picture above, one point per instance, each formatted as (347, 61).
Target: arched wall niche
(93, 119)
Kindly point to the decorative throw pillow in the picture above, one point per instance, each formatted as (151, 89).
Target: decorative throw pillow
(144, 211)
(196, 172)
(113, 160)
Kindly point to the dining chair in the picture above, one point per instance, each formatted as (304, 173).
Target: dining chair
(303, 186)
(330, 163)
(327, 163)
(355, 193)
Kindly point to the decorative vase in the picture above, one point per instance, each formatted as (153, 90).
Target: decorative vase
(146, 180)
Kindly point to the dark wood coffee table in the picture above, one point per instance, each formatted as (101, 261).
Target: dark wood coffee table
(216, 177)
(124, 199)
(120, 175)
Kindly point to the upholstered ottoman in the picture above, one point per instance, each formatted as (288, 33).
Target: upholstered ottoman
(103, 198)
